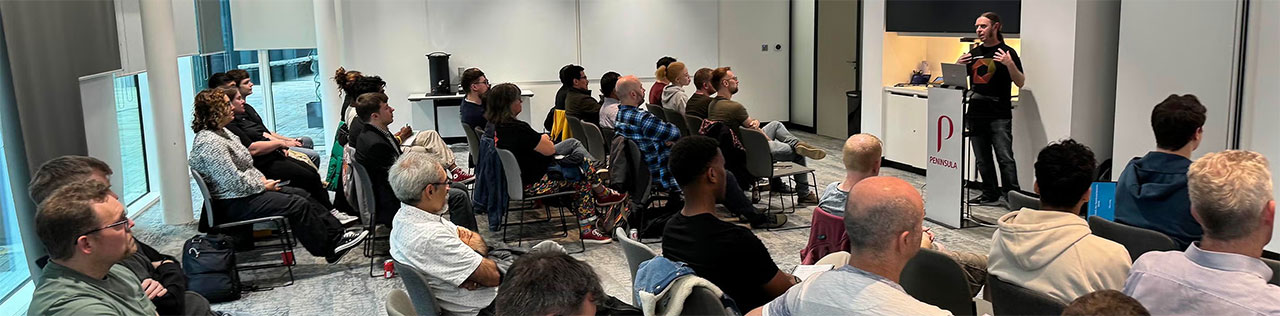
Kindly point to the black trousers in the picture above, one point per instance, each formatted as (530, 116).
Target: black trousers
(317, 230)
(300, 175)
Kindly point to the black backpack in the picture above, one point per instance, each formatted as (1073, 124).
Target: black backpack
(209, 262)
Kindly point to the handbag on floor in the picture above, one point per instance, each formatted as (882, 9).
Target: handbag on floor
(210, 264)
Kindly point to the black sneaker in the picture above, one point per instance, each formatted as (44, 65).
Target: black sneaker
(771, 221)
(984, 200)
(349, 241)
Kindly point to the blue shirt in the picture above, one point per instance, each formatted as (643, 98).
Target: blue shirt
(650, 135)
(1201, 282)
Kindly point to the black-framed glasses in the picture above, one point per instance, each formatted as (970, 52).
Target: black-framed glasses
(113, 225)
(446, 182)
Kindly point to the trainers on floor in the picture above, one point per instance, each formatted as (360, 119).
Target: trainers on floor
(815, 153)
(811, 198)
(349, 241)
(610, 198)
(771, 221)
(594, 236)
(343, 217)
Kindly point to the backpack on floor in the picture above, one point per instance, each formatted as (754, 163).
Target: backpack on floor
(210, 264)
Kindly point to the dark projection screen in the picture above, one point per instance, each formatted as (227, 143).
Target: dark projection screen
(948, 16)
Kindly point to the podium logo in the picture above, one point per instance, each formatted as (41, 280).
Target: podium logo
(951, 130)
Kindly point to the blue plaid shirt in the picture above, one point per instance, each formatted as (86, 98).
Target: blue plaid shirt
(651, 135)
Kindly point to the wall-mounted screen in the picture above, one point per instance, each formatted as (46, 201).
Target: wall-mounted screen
(949, 16)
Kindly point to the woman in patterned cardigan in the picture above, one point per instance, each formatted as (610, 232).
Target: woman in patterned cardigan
(240, 192)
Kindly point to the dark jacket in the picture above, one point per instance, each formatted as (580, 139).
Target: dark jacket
(1152, 194)
(579, 103)
(376, 151)
(491, 198)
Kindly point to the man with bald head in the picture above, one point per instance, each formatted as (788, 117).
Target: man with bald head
(884, 228)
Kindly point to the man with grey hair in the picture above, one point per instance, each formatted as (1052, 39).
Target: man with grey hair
(884, 229)
(1221, 274)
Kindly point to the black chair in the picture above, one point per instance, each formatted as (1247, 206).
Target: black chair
(595, 142)
(760, 164)
(675, 118)
(473, 145)
(701, 301)
(1135, 239)
(575, 128)
(365, 203)
(1018, 200)
(522, 202)
(278, 226)
(694, 123)
(1275, 270)
(1011, 299)
(656, 110)
(415, 284)
(934, 278)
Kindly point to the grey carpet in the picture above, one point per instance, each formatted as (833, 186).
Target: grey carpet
(344, 288)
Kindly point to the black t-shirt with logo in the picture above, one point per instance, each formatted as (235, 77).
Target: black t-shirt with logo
(991, 81)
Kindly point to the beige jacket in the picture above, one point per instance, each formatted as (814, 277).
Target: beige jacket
(1055, 253)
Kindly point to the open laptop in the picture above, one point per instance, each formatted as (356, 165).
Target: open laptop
(955, 75)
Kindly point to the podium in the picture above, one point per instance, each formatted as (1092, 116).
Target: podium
(944, 204)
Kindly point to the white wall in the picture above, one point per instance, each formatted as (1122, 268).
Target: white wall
(1154, 62)
(744, 26)
(873, 59)
(1043, 113)
(274, 24)
(387, 38)
(802, 63)
(1261, 96)
(1094, 94)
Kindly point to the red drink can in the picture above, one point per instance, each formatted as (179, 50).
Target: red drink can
(388, 269)
(287, 257)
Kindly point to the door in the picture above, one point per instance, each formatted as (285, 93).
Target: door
(836, 64)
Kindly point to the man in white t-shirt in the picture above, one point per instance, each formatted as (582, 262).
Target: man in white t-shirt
(884, 233)
(462, 280)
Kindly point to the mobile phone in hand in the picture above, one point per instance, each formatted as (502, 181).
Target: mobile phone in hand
(282, 183)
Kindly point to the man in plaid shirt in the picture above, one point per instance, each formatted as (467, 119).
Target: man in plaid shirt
(653, 136)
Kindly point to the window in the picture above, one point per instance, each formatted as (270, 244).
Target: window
(13, 259)
(129, 92)
(295, 95)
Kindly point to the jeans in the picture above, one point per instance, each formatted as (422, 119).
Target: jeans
(782, 144)
(572, 146)
(996, 135)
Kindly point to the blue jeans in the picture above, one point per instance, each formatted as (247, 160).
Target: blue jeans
(782, 144)
(994, 135)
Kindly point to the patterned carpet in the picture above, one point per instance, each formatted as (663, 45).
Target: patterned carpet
(345, 288)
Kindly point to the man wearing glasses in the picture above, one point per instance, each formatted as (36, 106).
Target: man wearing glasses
(86, 232)
(577, 100)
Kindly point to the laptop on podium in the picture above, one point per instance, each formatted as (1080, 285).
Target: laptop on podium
(955, 76)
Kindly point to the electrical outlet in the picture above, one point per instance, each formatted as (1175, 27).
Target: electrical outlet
(764, 47)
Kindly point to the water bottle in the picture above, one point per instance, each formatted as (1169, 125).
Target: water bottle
(388, 269)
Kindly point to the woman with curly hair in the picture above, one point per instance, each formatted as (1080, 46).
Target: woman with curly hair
(241, 192)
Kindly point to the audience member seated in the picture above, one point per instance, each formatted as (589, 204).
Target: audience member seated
(271, 157)
(1231, 197)
(782, 144)
(728, 255)
(884, 228)
(548, 283)
(1052, 250)
(655, 95)
(304, 145)
(1152, 190)
(654, 138)
(86, 232)
(462, 280)
(1105, 302)
(377, 150)
(862, 157)
(220, 80)
(701, 98)
(578, 101)
(673, 96)
(534, 152)
(350, 85)
(241, 192)
(474, 85)
(162, 277)
(609, 100)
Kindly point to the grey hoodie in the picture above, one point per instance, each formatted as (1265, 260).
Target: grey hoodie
(1055, 253)
(673, 97)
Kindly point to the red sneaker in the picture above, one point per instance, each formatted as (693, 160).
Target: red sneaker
(610, 197)
(460, 176)
(594, 236)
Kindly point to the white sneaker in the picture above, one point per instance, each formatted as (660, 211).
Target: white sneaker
(343, 217)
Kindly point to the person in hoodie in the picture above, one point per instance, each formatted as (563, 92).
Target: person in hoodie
(673, 96)
(1152, 190)
(1052, 250)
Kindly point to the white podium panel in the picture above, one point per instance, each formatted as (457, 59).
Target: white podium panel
(944, 204)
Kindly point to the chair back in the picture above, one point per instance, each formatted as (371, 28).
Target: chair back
(207, 209)
(473, 141)
(677, 119)
(701, 301)
(759, 159)
(635, 252)
(1011, 299)
(827, 235)
(1019, 200)
(364, 192)
(399, 304)
(515, 187)
(575, 128)
(1136, 240)
(694, 123)
(595, 141)
(642, 181)
(415, 283)
(656, 110)
(1275, 270)
(934, 278)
